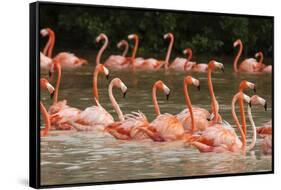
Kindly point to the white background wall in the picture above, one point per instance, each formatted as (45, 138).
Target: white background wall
(14, 52)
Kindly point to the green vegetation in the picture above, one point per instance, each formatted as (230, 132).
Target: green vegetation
(77, 27)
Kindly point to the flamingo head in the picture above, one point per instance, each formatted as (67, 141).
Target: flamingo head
(168, 35)
(237, 42)
(214, 64)
(122, 43)
(257, 100)
(44, 32)
(101, 68)
(187, 51)
(45, 84)
(118, 82)
(246, 84)
(161, 86)
(258, 54)
(190, 80)
(102, 36)
(132, 36)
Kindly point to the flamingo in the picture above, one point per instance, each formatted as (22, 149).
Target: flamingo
(242, 86)
(45, 84)
(45, 62)
(165, 127)
(152, 64)
(248, 65)
(261, 66)
(182, 64)
(222, 138)
(185, 115)
(118, 62)
(67, 60)
(193, 119)
(127, 128)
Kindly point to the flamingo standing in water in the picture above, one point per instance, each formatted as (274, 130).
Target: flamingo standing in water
(165, 127)
(118, 62)
(127, 128)
(248, 65)
(152, 64)
(45, 84)
(67, 60)
(222, 138)
(182, 64)
(261, 67)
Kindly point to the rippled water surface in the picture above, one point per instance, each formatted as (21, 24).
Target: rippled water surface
(79, 157)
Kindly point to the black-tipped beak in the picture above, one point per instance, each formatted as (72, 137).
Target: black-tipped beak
(124, 94)
(265, 106)
(222, 69)
(198, 87)
(208, 119)
(250, 104)
(107, 76)
(254, 89)
(167, 96)
(52, 95)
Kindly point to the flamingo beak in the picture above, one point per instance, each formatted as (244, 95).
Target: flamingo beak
(107, 76)
(198, 87)
(254, 89)
(250, 104)
(124, 94)
(52, 94)
(265, 106)
(167, 96)
(222, 69)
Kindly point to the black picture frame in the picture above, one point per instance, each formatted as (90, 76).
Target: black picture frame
(34, 96)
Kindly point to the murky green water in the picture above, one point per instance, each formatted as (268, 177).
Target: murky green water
(87, 157)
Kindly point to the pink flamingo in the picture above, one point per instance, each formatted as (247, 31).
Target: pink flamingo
(242, 86)
(222, 138)
(128, 126)
(60, 109)
(67, 60)
(248, 65)
(182, 64)
(119, 62)
(165, 127)
(184, 116)
(261, 66)
(154, 64)
(45, 84)
(45, 62)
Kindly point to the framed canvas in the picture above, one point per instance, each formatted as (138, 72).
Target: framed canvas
(121, 94)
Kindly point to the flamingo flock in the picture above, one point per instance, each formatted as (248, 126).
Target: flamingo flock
(204, 130)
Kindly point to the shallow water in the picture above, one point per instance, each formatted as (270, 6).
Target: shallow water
(88, 157)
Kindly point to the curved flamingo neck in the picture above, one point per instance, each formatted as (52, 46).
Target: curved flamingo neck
(114, 103)
(189, 105)
(58, 67)
(98, 58)
(212, 95)
(168, 54)
(136, 46)
(47, 46)
(189, 57)
(125, 49)
(254, 130)
(261, 58)
(46, 117)
(155, 102)
(53, 39)
(95, 83)
(242, 113)
(235, 64)
(243, 136)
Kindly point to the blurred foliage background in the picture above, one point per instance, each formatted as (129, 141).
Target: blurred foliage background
(78, 26)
